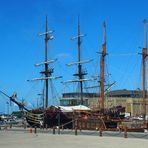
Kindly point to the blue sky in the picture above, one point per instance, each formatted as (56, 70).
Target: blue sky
(21, 48)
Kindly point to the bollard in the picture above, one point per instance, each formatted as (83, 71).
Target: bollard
(54, 130)
(10, 125)
(58, 130)
(5, 127)
(46, 126)
(76, 133)
(125, 132)
(80, 128)
(24, 126)
(62, 127)
(30, 130)
(35, 129)
(100, 132)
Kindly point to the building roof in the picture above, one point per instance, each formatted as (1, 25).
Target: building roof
(77, 95)
(125, 93)
(114, 93)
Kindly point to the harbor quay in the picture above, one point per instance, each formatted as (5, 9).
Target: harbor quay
(27, 138)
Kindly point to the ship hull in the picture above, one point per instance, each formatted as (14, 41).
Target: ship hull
(50, 118)
(54, 117)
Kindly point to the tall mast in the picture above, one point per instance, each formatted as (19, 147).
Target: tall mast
(46, 64)
(47, 72)
(144, 55)
(103, 67)
(80, 73)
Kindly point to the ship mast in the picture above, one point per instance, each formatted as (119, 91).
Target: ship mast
(144, 55)
(80, 73)
(47, 72)
(103, 68)
(46, 64)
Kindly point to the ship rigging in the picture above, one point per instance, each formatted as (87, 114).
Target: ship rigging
(47, 72)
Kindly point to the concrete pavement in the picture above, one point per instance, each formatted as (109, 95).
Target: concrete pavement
(21, 139)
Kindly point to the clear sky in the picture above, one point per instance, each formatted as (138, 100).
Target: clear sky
(21, 48)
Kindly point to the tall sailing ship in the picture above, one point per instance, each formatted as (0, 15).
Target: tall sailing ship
(55, 115)
(67, 115)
